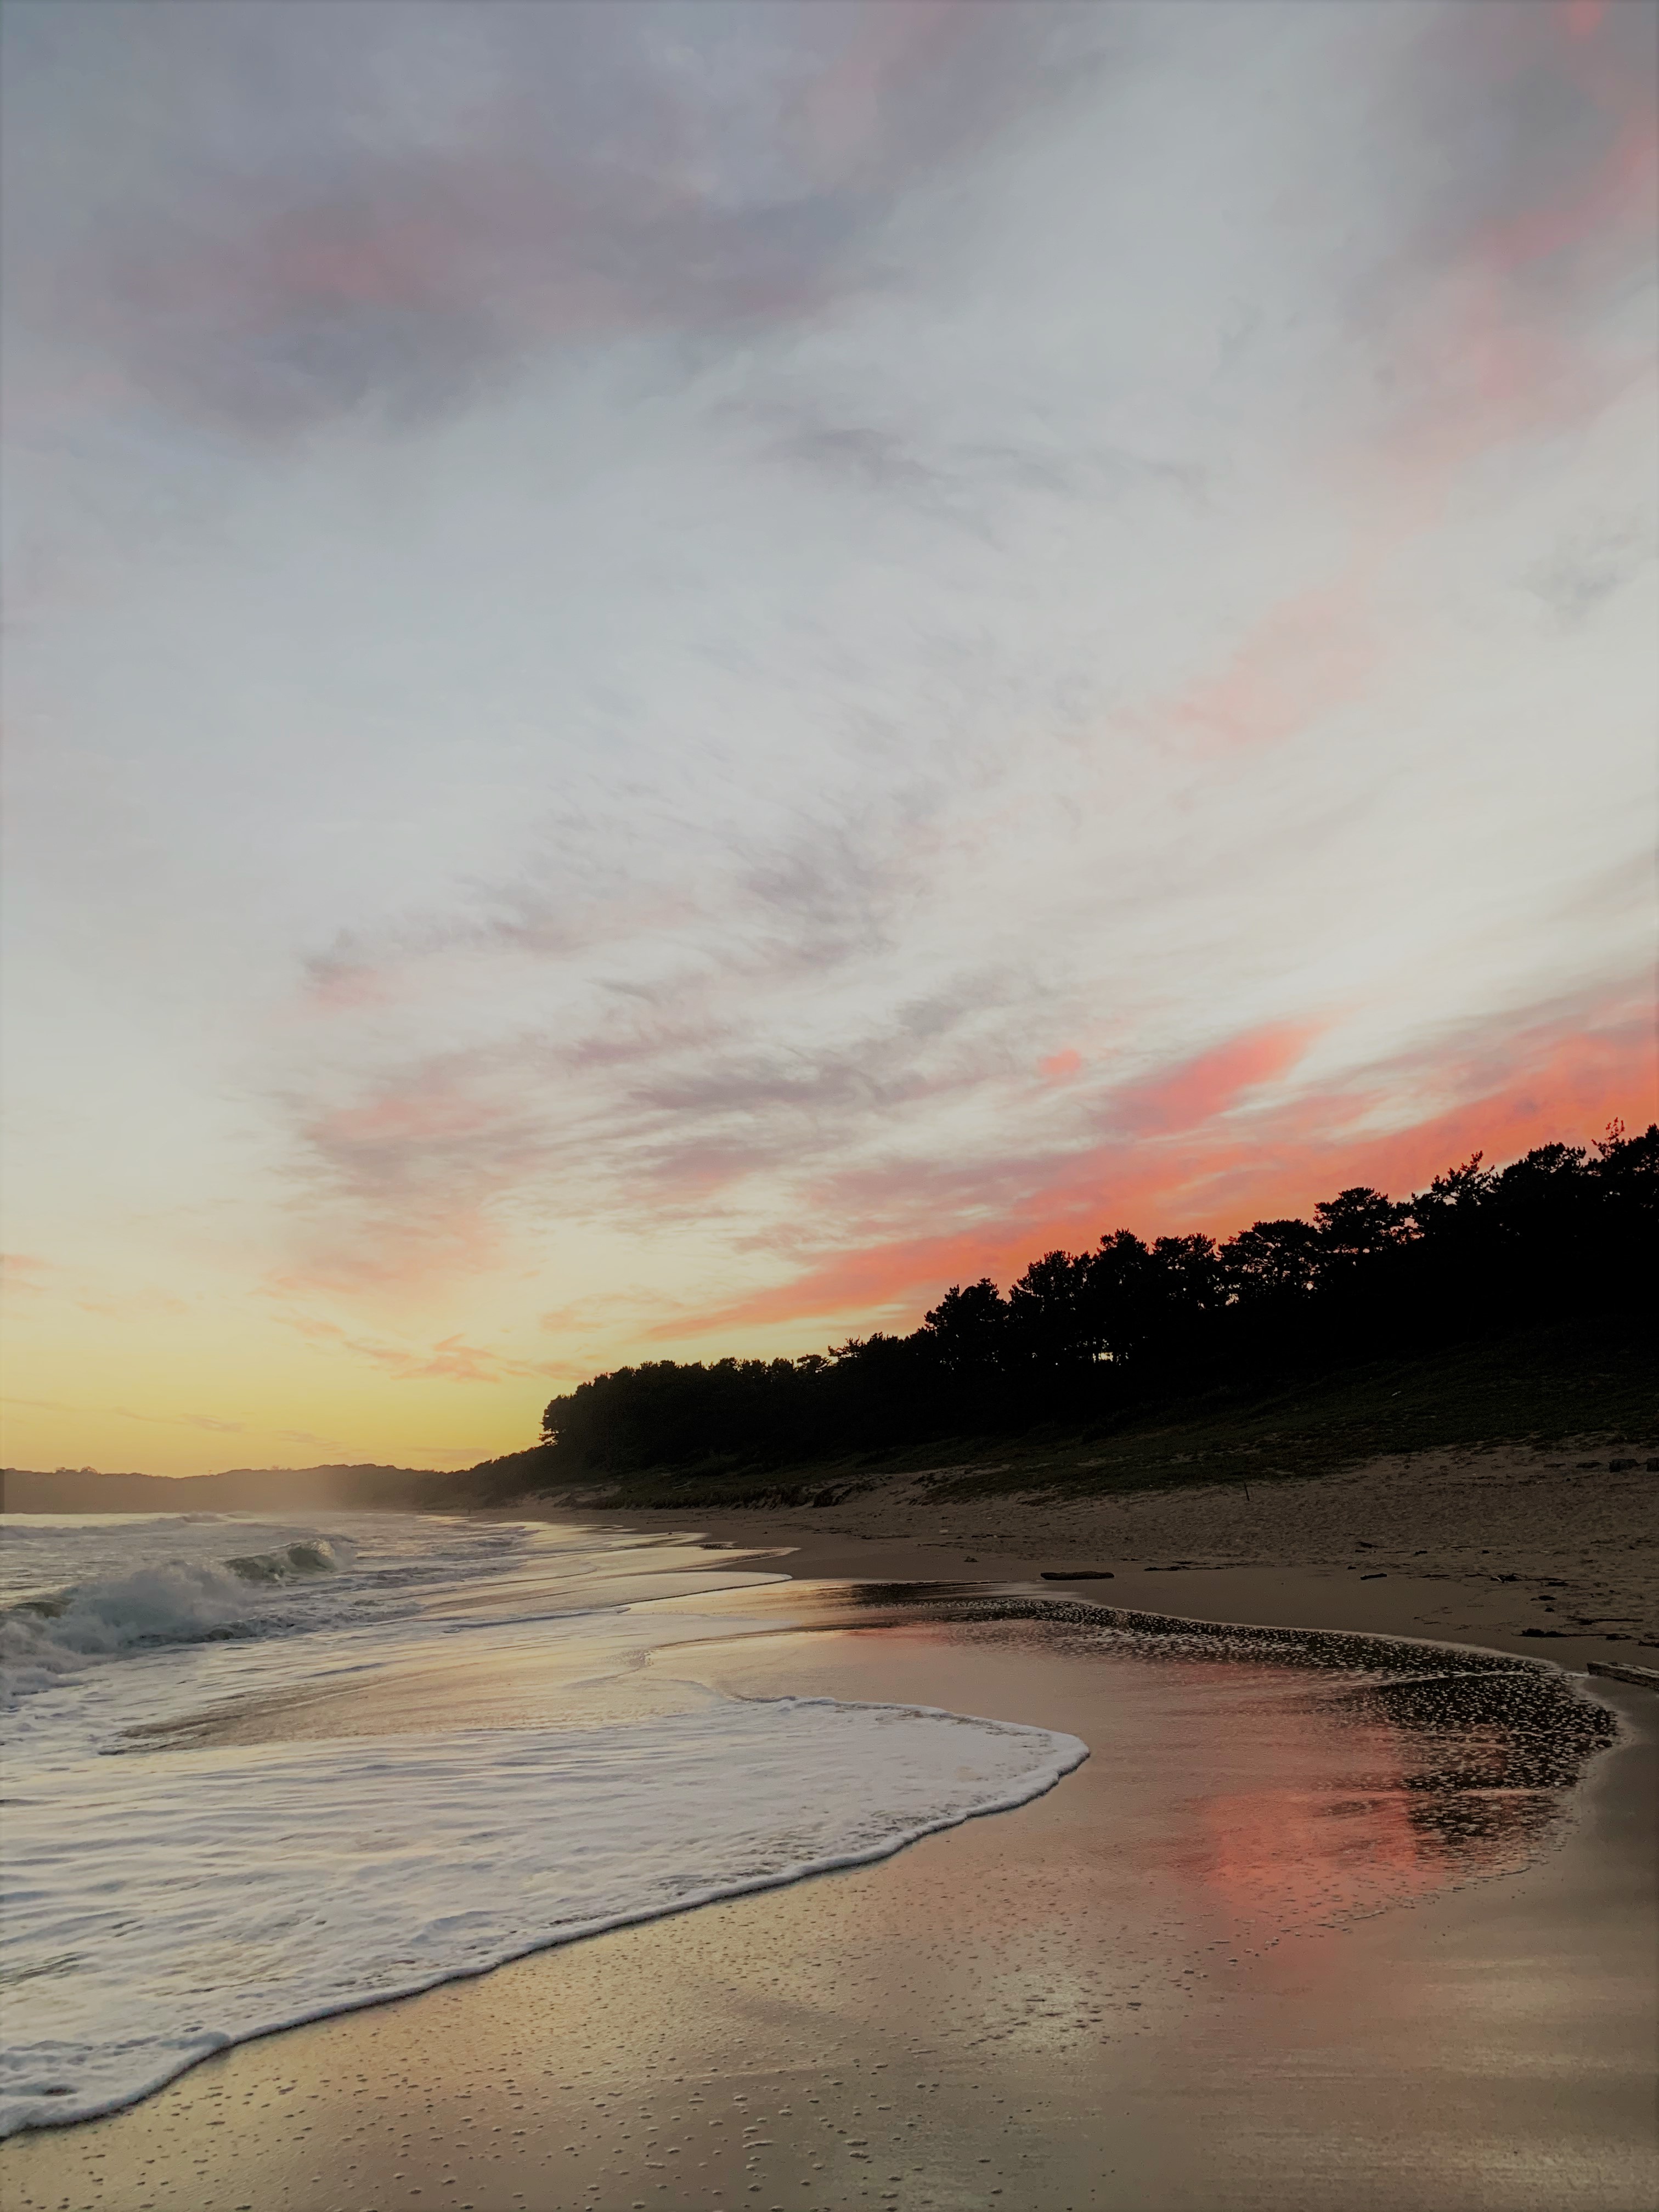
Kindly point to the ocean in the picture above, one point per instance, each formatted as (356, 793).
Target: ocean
(259, 1771)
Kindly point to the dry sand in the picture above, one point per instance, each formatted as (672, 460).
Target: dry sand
(1477, 1546)
(1071, 2005)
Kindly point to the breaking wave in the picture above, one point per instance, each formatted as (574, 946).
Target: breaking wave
(485, 1761)
(43, 1640)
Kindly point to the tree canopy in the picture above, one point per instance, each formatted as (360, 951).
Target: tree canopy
(1565, 1230)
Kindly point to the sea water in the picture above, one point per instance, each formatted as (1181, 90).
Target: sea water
(258, 1771)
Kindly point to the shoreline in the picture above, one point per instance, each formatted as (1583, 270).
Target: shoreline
(1461, 1547)
(540, 2084)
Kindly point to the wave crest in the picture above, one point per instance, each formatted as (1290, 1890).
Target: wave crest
(318, 1555)
(43, 1640)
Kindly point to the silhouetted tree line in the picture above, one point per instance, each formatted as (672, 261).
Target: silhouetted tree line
(1084, 1336)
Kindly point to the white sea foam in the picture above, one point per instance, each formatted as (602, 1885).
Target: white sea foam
(50, 1635)
(162, 1904)
(305, 1879)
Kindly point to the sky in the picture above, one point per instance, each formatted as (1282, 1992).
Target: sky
(677, 673)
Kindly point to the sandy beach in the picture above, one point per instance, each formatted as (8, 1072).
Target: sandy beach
(831, 1107)
(1209, 1967)
(1477, 1546)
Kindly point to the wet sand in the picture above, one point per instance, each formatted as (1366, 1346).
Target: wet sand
(1432, 1606)
(1272, 1946)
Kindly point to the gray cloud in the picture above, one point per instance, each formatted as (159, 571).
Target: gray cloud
(1591, 564)
(287, 209)
(716, 777)
(1498, 118)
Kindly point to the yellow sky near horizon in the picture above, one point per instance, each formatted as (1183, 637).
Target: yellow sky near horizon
(676, 675)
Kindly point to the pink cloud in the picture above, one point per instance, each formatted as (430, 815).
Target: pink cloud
(1211, 1083)
(1566, 1077)
(1496, 354)
(1307, 657)
(24, 1271)
(449, 1360)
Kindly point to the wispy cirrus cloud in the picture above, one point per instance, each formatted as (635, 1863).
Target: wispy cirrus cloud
(1562, 1072)
(31, 1276)
(25, 1271)
(749, 658)
(354, 207)
(210, 1423)
(449, 1360)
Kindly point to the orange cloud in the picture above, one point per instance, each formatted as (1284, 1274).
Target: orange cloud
(1212, 1082)
(449, 1360)
(1199, 1169)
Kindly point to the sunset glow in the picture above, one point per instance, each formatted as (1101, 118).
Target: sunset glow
(679, 673)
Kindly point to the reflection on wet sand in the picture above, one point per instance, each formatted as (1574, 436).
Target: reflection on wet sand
(1309, 1777)
(1379, 1771)
(1169, 1983)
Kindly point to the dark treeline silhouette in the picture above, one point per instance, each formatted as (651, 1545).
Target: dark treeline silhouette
(1085, 1337)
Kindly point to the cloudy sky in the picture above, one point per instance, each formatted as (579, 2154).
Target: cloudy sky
(679, 671)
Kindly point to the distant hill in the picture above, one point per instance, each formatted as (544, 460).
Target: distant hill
(237, 1489)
